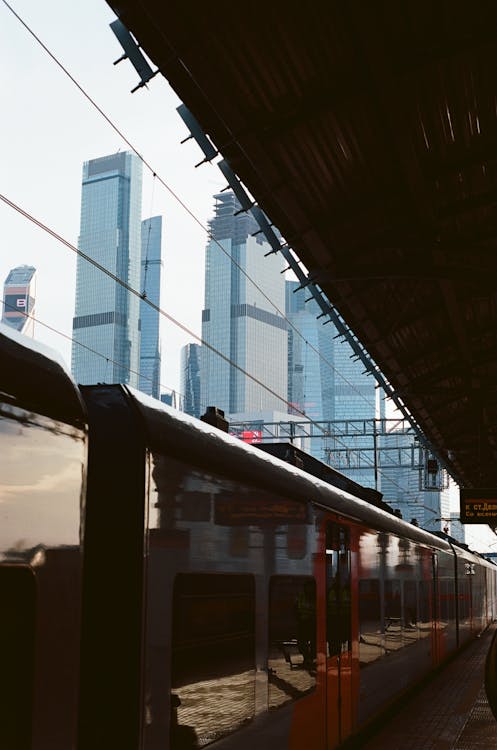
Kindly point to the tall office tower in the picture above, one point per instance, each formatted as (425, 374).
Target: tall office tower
(190, 380)
(355, 399)
(151, 269)
(238, 320)
(106, 345)
(19, 294)
(311, 377)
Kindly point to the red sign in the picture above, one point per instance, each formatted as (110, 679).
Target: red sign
(249, 436)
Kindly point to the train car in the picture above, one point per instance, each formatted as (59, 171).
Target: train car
(234, 600)
(43, 442)
(227, 598)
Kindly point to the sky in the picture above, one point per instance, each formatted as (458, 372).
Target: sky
(48, 129)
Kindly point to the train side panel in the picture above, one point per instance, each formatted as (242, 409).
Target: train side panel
(42, 456)
(237, 602)
(234, 653)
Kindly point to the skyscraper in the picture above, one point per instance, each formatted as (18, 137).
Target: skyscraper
(106, 320)
(355, 399)
(19, 294)
(238, 320)
(151, 268)
(190, 379)
(311, 376)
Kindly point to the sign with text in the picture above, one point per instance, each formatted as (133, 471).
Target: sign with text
(478, 505)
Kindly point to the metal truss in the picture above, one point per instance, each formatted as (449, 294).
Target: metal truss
(356, 444)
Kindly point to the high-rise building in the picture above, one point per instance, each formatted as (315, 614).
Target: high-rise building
(106, 345)
(238, 320)
(190, 380)
(19, 294)
(151, 268)
(355, 398)
(311, 376)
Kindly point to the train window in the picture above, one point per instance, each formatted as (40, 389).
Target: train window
(338, 604)
(425, 595)
(239, 537)
(296, 541)
(213, 662)
(410, 625)
(464, 600)
(17, 638)
(371, 646)
(292, 638)
(446, 600)
(393, 608)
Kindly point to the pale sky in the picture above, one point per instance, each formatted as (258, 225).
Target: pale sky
(48, 129)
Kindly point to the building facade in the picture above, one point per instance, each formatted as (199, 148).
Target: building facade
(150, 285)
(190, 380)
(106, 346)
(311, 377)
(19, 294)
(238, 321)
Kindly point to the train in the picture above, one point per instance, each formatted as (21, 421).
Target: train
(165, 585)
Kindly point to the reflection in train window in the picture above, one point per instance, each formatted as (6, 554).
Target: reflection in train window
(464, 600)
(292, 638)
(338, 593)
(410, 613)
(371, 644)
(393, 624)
(425, 594)
(447, 601)
(213, 666)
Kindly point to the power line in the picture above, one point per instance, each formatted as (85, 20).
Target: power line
(142, 297)
(175, 195)
(85, 346)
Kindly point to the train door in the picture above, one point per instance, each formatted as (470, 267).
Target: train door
(339, 671)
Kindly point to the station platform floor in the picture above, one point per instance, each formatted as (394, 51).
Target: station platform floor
(450, 712)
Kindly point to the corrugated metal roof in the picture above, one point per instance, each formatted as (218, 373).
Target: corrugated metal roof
(367, 132)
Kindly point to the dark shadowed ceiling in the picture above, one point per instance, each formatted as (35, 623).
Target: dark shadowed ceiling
(367, 131)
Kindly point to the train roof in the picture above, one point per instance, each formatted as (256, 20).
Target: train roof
(193, 441)
(35, 378)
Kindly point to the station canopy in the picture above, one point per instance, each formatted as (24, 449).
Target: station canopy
(367, 132)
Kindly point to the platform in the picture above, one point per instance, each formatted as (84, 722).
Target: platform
(450, 712)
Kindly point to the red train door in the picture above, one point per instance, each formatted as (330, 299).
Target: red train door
(339, 672)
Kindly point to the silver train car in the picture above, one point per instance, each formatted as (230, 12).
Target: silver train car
(167, 586)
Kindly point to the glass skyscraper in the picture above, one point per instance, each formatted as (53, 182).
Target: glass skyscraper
(19, 294)
(354, 399)
(190, 380)
(311, 377)
(238, 320)
(106, 320)
(151, 268)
